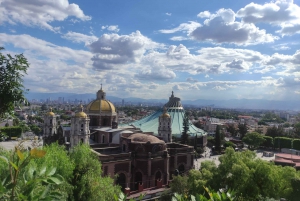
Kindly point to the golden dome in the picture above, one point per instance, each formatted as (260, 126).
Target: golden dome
(165, 115)
(50, 113)
(81, 114)
(106, 106)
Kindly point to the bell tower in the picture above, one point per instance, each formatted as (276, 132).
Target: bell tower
(101, 94)
(80, 132)
(49, 126)
(165, 126)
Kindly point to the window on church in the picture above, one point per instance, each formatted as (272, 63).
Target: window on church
(50, 121)
(81, 125)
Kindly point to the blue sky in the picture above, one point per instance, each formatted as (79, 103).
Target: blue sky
(200, 49)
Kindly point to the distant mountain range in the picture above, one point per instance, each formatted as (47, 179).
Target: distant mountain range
(232, 103)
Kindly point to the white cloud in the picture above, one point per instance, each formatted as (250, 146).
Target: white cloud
(156, 73)
(205, 14)
(111, 50)
(112, 28)
(39, 13)
(168, 14)
(283, 13)
(184, 27)
(222, 28)
(179, 38)
(177, 87)
(219, 88)
(189, 79)
(79, 37)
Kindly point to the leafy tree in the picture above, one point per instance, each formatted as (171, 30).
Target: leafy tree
(179, 184)
(274, 131)
(87, 180)
(16, 121)
(229, 144)
(218, 139)
(297, 129)
(12, 71)
(186, 128)
(253, 140)
(231, 129)
(243, 129)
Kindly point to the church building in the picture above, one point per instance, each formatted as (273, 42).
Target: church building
(142, 159)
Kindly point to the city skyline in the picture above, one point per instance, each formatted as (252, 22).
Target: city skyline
(200, 50)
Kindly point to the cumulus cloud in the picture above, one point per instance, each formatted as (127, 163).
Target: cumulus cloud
(79, 37)
(205, 14)
(112, 28)
(168, 14)
(111, 50)
(222, 28)
(39, 13)
(237, 64)
(283, 13)
(177, 87)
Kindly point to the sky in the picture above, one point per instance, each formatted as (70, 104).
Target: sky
(199, 49)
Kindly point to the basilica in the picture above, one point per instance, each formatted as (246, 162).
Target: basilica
(141, 157)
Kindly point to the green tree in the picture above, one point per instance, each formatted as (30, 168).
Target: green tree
(179, 185)
(186, 128)
(12, 71)
(274, 132)
(243, 129)
(297, 129)
(231, 129)
(16, 121)
(87, 180)
(253, 140)
(218, 139)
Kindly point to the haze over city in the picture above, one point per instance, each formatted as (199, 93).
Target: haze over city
(145, 49)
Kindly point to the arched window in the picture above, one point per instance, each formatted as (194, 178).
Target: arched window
(121, 181)
(81, 141)
(50, 121)
(103, 139)
(157, 177)
(124, 148)
(138, 180)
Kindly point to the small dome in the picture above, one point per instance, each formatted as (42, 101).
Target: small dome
(50, 113)
(145, 138)
(165, 115)
(81, 114)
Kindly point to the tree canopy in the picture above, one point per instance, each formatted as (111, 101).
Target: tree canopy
(253, 139)
(12, 71)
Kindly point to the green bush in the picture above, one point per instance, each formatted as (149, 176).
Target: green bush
(269, 142)
(283, 142)
(13, 131)
(296, 144)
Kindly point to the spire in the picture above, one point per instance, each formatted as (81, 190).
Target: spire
(172, 94)
(81, 107)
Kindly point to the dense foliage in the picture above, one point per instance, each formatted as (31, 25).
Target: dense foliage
(250, 177)
(12, 71)
(254, 140)
(12, 131)
(80, 170)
